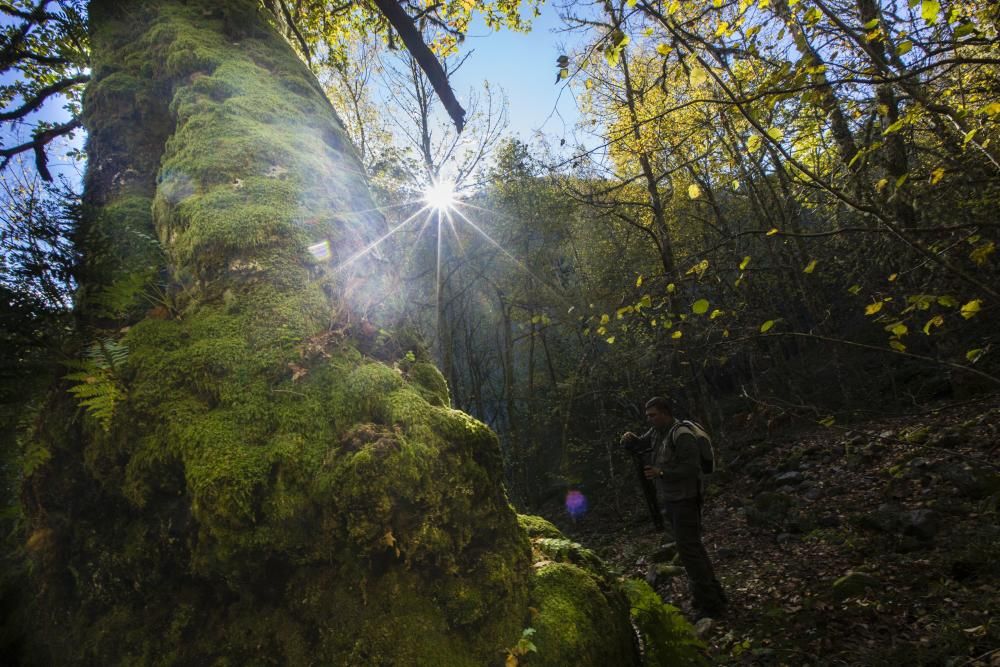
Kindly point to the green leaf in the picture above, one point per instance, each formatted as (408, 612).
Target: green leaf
(935, 321)
(828, 421)
(929, 10)
(947, 301)
(700, 307)
(753, 142)
(810, 267)
(973, 355)
(764, 328)
(896, 345)
(716, 313)
(775, 133)
(698, 76)
(897, 329)
(745, 263)
(677, 334)
(854, 289)
(611, 340)
(904, 47)
(638, 281)
(971, 309)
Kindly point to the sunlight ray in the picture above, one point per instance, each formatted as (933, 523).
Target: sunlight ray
(374, 244)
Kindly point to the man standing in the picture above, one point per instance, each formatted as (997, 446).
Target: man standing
(675, 468)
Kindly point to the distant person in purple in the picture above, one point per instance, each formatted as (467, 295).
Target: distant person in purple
(675, 467)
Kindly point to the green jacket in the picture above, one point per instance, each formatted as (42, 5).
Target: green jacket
(679, 462)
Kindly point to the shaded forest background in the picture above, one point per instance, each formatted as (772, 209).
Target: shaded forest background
(778, 213)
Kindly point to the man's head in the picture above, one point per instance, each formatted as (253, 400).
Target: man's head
(659, 412)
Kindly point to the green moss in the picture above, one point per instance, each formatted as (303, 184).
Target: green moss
(577, 622)
(536, 526)
(430, 382)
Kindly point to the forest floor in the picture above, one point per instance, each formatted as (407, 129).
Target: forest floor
(874, 545)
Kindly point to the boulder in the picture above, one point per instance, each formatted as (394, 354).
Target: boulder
(924, 524)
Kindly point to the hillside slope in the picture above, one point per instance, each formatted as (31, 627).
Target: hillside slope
(875, 545)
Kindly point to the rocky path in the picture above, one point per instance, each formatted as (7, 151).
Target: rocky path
(875, 546)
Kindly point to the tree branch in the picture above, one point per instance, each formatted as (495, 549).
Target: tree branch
(43, 94)
(38, 143)
(414, 42)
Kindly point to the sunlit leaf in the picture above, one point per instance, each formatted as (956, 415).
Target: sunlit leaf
(772, 231)
(896, 345)
(974, 355)
(716, 313)
(745, 263)
(929, 10)
(753, 142)
(764, 328)
(981, 254)
(605, 318)
(610, 340)
(935, 321)
(897, 329)
(892, 277)
(948, 301)
(700, 307)
(775, 133)
(698, 76)
(904, 47)
(677, 334)
(810, 267)
(722, 28)
(873, 308)
(972, 308)
(882, 182)
(671, 288)
(827, 421)
(992, 109)
(937, 175)
(694, 191)
(645, 302)
(638, 281)
(663, 49)
(894, 127)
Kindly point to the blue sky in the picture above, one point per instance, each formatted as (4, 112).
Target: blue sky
(524, 65)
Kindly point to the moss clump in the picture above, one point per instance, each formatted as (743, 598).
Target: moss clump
(580, 620)
(536, 526)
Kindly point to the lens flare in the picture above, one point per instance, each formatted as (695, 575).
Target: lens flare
(576, 504)
(440, 195)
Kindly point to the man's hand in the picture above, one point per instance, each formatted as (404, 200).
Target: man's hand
(652, 472)
(628, 437)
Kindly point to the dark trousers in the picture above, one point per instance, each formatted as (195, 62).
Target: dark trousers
(684, 518)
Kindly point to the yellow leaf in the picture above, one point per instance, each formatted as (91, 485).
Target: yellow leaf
(638, 281)
(721, 30)
(694, 191)
(772, 231)
(973, 355)
(892, 277)
(700, 307)
(775, 133)
(605, 318)
(947, 301)
(674, 6)
(810, 267)
(725, 333)
(753, 142)
(764, 328)
(716, 313)
(982, 253)
(511, 660)
(970, 309)
(992, 109)
(676, 334)
(698, 76)
(764, 4)
(671, 288)
(873, 308)
(745, 262)
(896, 345)
(935, 321)
(663, 49)
(898, 329)
(937, 175)
(611, 340)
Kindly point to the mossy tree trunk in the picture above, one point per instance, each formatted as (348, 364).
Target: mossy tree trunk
(271, 480)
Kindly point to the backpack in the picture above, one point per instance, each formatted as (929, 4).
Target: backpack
(705, 451)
